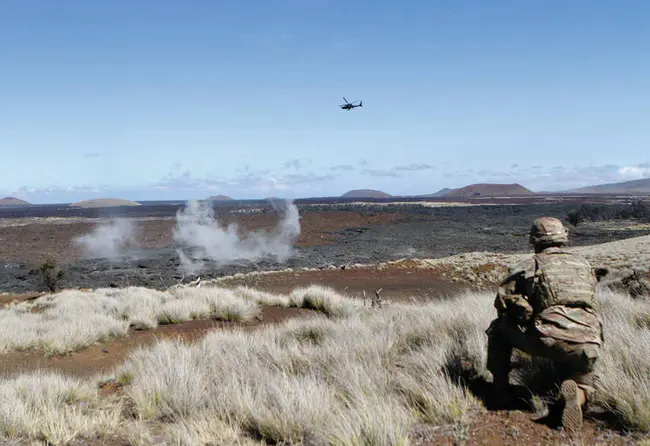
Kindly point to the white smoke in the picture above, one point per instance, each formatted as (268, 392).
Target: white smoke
(110, 239)
(208, 240)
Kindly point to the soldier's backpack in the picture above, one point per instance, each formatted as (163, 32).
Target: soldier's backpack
(563, 278)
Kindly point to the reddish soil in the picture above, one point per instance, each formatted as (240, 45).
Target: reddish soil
(397, 284)
(29, 243)
(101, 358)
(516, 428)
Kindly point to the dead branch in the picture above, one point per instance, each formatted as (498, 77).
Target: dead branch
(377, 301)
(195, 283)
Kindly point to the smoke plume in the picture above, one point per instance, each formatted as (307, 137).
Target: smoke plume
(111, 239)
(205, 239)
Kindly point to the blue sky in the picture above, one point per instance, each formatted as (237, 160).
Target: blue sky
(177, 99)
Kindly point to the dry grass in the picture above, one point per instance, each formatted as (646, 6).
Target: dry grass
(74, 319)
(53, 409)
(358, 376)
(624, 368)
(366, 378)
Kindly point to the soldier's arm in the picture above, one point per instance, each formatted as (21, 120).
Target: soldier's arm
(510, 298)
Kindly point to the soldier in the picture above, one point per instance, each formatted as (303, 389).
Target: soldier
(547, 307)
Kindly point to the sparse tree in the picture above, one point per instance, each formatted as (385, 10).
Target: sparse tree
(640, 211)
(574, 218)
(51, 273)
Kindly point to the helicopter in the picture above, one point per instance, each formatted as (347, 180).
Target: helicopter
(350, 105)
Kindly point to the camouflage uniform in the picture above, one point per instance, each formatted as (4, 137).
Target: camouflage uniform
(547, 307)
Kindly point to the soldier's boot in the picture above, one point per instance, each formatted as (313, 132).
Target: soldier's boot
(500, 396)
(574, 398)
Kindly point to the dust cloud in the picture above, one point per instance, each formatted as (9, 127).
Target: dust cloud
(111, 239)
(205, 239)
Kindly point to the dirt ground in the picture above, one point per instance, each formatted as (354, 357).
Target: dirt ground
(393, 283)
(330, 240)
(525, 428)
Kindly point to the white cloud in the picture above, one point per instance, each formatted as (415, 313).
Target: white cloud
(635, 172)
(415, 167)
(246, 181)
(380, 173)
(57, 190)
(296, 178)
(347, 167)
(557, 178)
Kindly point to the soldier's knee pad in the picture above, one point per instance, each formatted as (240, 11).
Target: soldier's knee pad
(589, 355)
(587, 389)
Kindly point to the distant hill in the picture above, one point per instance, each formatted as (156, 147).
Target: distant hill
(104, 203)
(489, 190)
(365, 193)
(218, 198)
(625, 187)
(11, 201)
(440, 193)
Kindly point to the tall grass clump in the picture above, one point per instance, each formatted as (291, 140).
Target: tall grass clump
(624, 367)
(53, 409)
(262, 297)
(56, 330)
(323, 299)
(221, 303)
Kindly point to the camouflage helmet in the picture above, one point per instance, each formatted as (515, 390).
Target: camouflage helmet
(548, 231)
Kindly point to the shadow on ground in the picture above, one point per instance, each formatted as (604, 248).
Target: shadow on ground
(539, 399)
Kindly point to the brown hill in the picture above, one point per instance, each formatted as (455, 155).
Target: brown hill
(104, 203)
(641, 186)
(489, 190)
(218, 198)
(365, 193)
(440, 193)
(11, 201)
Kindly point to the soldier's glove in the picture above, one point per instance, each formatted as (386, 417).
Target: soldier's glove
(519, 309)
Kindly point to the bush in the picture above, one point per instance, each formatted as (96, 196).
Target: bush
(636, 210)
(51, 273)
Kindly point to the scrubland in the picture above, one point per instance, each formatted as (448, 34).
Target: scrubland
(350, 375)
(72, 319)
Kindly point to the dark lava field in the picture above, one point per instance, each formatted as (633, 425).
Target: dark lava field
(421, 232)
